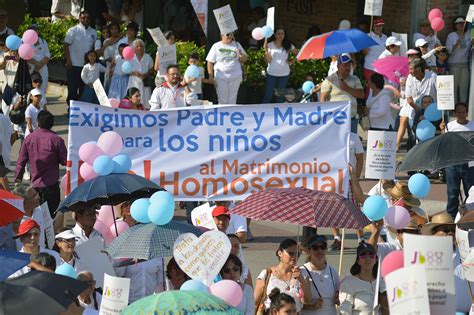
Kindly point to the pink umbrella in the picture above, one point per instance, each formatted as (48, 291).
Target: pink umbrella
(392, 67)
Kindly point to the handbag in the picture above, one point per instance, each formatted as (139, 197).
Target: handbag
(364, 122)
(260, 304)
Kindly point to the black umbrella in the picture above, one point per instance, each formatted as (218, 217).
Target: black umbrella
(22, 83)
(448, 149)
(39, 292)
(108, 190)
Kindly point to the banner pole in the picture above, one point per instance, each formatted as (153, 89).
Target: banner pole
(343, 234)
(371, 22)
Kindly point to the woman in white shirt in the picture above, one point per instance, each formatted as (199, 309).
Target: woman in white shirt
(378, 104)
(65, 246)
(392, 47)
(90, 72)
(278, 70)
(224, 65)
(357, 290)
(458, 44)
(142, 64)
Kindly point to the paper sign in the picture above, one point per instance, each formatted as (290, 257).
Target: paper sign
(271, 18)
(462, 240)
(101, 95)
(468, 266)
(201, 9)
(373, 7)
(404, 39)
(158, 36)
(202, 216)
(95, 259)
(115, 295)
(445, 92)
(381, 155)
(470, 13)
(202, 258)
(47, 225)
(225, 20)
(435, 255)
(167, 56)
(407, 292)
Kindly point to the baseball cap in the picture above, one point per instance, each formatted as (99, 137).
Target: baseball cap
(65, 235)
(344, 58)
(26, 226)
(379, 22)
(392, 40)
(220, 210)
(420, 42)
(365, 248)
(36, 92)
(317, 239)
(459, 20)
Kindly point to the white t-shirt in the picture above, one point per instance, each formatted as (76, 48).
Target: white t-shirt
(357, 296)
(275, 282)
(226, 60)
(80, 41)
(454, 126)
(417, 89)
(355, 147)
(279, 66)
(90, 73)
(32, 113)
(237, 224)
(374, 51)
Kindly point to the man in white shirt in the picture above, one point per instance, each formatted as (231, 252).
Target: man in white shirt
(171, 94)
(84, 228)
(79, 40)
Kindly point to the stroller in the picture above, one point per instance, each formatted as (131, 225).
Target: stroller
(294, 95)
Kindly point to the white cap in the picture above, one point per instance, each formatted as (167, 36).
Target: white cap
(459, 20)
(344, 25)
(36, 92)
(420, 42)
(392, 40)
(66, 235)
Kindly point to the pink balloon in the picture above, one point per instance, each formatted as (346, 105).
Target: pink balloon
(437, 24)
(227, 290)
(393, 261)
(111, 143)
(397, 217)
(121, 227)
(434, 13)
(30, 37)
(106, 215)
(257, 33)
(114, 102)
(128, 53)
(89, 151)
(101, 227)
(26, 51)
(87, 172)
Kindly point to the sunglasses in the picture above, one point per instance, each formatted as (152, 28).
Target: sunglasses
(319, 247)
(234, 269)
(368, 255)
(69, 241)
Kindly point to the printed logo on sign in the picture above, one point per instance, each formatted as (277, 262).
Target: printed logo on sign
(430, 258)
(386, 145)
(115, 293)
(407, 288)
(443, 85)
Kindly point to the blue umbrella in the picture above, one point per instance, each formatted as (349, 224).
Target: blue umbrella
(12, 261)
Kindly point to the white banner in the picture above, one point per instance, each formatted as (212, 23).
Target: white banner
(271, 18)
(157, 36)
(225, 152)
(115, 295)
(381, 155)
(373, 7)
(225, 19)
(435, 255)
(167, 56)
(201, 7)
(407, 292)
(445, 92)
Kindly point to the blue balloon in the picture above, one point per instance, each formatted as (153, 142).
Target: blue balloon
(139, 210)
(194, 285)
(375, 208)
(307, 87)
(419, 185)
(122, 163)
(425, 130)
(193, 71)
(103, 165)
(267, 31)
(66, 270)
(13, 42)
(159, 195)
(161, 211)
(432, 113)
(127, 67)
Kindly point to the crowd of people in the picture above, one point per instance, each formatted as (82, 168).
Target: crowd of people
(288, 287)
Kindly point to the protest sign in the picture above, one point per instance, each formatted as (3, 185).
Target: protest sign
(115, 295)
(201, 9)
(271, 18)
(407, 292)
(167, 56)
(225, 19)
(202, 216)
(435, 255)
(445, 92)
(47, 225)
(381, 155)
(470, 13)
(468, 266)
(95, 259)
(100, 92)
(373, 7)
(157, 36)
(225, 152)
(462, 240)
(202, 258)
(404, 39)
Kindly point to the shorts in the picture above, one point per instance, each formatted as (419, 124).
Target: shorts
(407, 111)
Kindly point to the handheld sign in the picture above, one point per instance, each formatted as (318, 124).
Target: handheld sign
(381, 155)
(47, 225)
(202, 216)
(225, 20)
(271, 18)
(158, 36)
(373, 7)
(167, 56)
(470, 13)
(95, 259)
(445, 92)
(101, 95)
(115, 295)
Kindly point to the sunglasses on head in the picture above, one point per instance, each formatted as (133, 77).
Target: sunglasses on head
(367, 255)
(234, 269)
(319, 247)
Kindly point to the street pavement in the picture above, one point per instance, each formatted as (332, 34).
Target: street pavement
(260, 252)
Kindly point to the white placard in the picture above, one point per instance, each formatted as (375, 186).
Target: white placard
(445, 92)
(47, 225)
(167, 56)
(201, 9)
(470, 13)
(95, 259)
(202, 258)
(225, 19)
(202, 216)
(115, 295)
(271, 18)
(435, 255)
(101, 95)
(404, 39)
(407, 292)
(468, 266)
(373, 7)
(157, 36)
(381, 155)
(462, 240)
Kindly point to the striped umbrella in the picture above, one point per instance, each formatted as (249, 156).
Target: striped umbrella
(302, 206)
